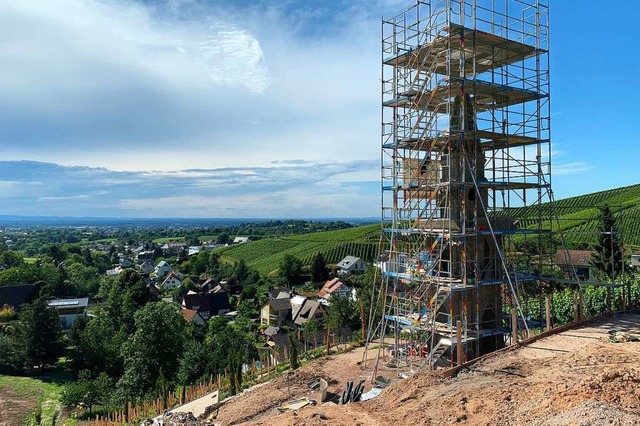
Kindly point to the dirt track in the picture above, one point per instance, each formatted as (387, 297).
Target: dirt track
(573, 378)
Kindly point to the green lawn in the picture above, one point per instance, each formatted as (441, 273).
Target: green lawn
(47, 393)
(167, 239)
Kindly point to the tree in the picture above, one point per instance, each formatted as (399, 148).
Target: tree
(153, 350)
(40, 333)
(87, 391)
(310, 329)
(290, 268)
(223, 239)
(607, 253)
(319, 268)
(293, 353)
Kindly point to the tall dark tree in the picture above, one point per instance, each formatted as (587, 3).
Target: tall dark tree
(40, 333)
(290, 268)
(607, 253)
(319, 268)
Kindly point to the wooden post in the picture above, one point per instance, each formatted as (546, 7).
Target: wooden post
(514, 326)
(609, 300)
(459, 345)
(581, 304)
(547, 302)
(576, 316)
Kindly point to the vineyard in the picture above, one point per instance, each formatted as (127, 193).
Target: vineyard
(266, 255)
(577, 217)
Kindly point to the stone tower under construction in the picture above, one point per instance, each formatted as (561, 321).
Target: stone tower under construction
(465, 138)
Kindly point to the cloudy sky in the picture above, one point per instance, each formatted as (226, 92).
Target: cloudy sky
(247, 108)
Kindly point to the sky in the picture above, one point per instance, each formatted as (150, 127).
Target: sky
(256, 108)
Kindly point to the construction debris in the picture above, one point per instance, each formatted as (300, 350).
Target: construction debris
(176, 419)
(621, 337)
(351, 393)
(371, 394)
(296, 404)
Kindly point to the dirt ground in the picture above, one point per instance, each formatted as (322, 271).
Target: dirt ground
(15, 406)
(573, 378)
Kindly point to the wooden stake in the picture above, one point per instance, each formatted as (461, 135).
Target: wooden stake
(547, 302)
(459, 344)
(514, 326)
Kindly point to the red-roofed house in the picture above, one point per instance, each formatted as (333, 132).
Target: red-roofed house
(334, 288)
(191, 315)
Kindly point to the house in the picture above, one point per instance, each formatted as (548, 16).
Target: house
(240, 240)
(191, 315)
(124, 262)
(311, 309)
(207, 304)
(194, 250)
(113, 272)
(279, 292)
(351, 265)
(578, 260)
(296, 303)
(171, 281)
(276, 312)
(162, 269)
(146, 267)
(635, 261)
(17, 295)
(70, 310)
(334, 288)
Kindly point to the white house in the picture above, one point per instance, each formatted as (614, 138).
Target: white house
(162, 269)
(172, 281)
(240, 240)
(70, 310)
(351, 264)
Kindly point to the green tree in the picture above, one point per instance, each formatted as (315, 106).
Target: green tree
(223, 238)
(607, 253)
(290, 268)
(153, 350)
(87, 391)
(40, 333)
(319, 268)
(310, 329)
(293, 352)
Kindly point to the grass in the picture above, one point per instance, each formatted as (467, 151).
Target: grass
(45, 390)
(168, 239)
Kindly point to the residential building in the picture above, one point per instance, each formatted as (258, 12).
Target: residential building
(351, 265)
(191, 315)
(207, 304)
(162, 269)
(276, 312)
(241, 240)
(574, 260)
(310, 309)
(146, 267)
(70, 310)
(334, 288)
(635, 261)
(171, 281)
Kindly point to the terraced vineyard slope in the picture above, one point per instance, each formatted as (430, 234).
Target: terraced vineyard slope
(578, 216)
(265, 255)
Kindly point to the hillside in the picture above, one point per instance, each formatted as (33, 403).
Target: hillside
(265, 255)
(577, 216)
(575, 377)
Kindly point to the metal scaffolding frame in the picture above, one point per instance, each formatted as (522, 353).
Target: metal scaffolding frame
(465, 138)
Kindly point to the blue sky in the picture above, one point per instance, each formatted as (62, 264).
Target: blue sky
(255, 108)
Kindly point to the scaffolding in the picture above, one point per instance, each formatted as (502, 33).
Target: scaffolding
(465, 139)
